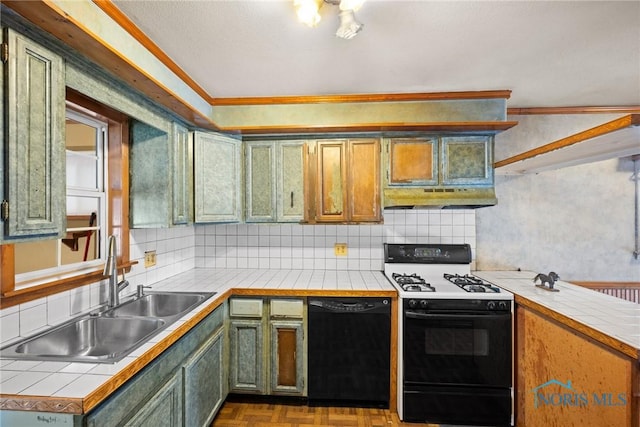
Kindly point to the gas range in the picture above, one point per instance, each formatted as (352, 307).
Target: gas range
(454, 338)
(437, 271)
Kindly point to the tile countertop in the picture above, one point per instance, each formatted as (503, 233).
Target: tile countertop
(75, 388)
(607, 319)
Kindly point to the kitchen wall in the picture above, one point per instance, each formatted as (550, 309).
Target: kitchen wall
(577, 221)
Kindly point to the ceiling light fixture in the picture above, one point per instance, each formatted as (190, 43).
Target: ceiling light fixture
(308, 12)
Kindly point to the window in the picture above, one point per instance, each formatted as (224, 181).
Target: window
(97, 206)
(83, 245)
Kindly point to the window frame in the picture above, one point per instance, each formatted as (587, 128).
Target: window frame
(118, 209)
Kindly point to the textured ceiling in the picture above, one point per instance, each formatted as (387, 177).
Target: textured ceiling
(573, 53)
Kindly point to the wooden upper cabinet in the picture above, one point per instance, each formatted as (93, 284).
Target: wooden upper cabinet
(364, 180)
(331, 189)
(345, 176)
(413, 161)
(33, 147)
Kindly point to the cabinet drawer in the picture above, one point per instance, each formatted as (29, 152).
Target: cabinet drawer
(242, 307)
(287, 308)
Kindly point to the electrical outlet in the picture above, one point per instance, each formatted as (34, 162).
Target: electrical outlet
(340, 249)
(149, 259)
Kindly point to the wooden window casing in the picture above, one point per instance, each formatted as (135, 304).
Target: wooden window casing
(118, 200)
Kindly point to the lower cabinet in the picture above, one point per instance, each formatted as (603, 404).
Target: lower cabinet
(185, 386)
(204, 382)
(163, 409)
(267, 346)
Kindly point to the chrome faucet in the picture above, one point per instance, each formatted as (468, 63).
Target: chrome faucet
(111, 270)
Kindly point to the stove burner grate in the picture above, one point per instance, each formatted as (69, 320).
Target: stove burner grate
(412, 283)
(470, 283)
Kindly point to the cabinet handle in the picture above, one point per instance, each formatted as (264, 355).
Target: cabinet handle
(292, 199)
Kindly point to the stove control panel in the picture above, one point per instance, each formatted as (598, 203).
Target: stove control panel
(453, 305)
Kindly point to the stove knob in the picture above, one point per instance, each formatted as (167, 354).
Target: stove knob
(502, 305)
(491, 305)
(424, 303)
(413, 303)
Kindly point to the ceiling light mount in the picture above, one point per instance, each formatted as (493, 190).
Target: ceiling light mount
(308, 12)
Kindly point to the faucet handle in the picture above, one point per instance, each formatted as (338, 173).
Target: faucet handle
(141, 288)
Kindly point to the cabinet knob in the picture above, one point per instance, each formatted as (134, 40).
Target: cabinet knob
(292, 199)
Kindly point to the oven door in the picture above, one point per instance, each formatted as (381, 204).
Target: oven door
(448, 348)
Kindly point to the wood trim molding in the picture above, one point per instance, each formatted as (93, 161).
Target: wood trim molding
(631, 109)
(612, 126)
(349, 98)
(7, 268)
(378, 127)
(20, 296)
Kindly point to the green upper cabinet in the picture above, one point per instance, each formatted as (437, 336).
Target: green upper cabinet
(468, 160)
(33, 142)
(260, 170)
(218, 178)
(183, 175)
(290, 175)
(274, 181)
(160, 168)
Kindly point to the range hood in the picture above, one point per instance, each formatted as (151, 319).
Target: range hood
(439, 198)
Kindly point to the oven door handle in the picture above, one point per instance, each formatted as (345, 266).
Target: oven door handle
(415, 315)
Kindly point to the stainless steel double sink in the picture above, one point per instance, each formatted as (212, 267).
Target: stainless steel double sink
(108, 336)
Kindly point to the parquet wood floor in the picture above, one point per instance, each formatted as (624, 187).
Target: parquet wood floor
(262, 414)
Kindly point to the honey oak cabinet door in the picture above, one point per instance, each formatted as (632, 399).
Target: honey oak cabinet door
(364, 180)
(330, 183)
(287, 357)
(290, 176)
(218, 178)
(411, 162)
(467, 160)
(33, 143)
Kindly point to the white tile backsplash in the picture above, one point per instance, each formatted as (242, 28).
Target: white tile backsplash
(298, 246)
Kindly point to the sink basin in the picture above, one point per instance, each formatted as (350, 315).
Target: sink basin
(88, 339)
(159, 305)
(109, 336)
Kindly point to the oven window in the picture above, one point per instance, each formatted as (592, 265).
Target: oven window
(456, 342)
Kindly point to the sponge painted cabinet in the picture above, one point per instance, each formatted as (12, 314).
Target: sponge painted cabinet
(454, 160)
(161, 176)
(218, 178)
(185, 386)
(274, 181)
(33, 143)
(267, 338)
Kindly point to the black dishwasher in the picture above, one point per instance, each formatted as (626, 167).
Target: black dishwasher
(349, 351)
